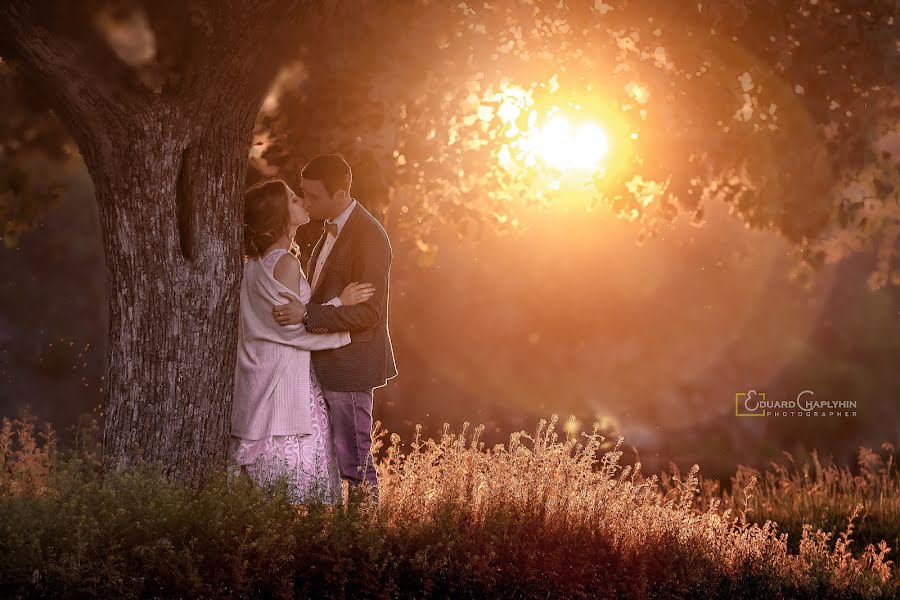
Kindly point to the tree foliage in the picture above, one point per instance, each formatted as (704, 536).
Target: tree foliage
(29, 137)
(781, 110)
(787, 111)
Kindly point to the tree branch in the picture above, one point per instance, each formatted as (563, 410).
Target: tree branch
(80, 77)
(89, 60)
(249, 43)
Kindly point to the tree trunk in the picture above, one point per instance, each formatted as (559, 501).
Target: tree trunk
(164, 131)
(170, 216)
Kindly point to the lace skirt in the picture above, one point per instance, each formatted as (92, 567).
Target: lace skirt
(307, 463)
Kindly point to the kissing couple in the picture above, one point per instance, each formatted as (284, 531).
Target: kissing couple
(313, 345)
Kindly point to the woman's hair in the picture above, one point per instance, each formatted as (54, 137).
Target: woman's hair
(266, 215)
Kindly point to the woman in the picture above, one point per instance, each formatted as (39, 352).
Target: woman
(280, 426)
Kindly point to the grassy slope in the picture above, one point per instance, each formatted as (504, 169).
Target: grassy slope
(539, 517)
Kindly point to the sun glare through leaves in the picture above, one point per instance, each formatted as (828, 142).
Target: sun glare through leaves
(564, 140)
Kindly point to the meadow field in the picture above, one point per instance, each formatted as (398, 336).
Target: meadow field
(547, 515)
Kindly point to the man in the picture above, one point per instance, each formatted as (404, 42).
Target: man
(353, 248)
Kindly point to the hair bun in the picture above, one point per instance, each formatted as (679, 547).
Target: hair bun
(266, 215)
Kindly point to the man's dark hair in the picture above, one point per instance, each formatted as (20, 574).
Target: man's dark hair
(331, 169)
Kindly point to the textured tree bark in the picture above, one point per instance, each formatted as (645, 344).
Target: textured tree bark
(169, 210)
(166, 144)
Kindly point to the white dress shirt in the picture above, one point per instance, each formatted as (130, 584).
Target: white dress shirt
(328, 244)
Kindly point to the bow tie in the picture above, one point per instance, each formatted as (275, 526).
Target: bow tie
(331, 228)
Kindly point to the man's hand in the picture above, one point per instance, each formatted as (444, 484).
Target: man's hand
(290, 313)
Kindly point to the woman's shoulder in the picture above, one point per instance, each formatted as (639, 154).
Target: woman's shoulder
(288, 271)
(287, 264)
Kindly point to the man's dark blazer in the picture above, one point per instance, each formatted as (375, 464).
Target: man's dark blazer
(361, 253)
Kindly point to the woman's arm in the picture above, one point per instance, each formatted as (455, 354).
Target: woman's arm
(371, 263)
(288, 272)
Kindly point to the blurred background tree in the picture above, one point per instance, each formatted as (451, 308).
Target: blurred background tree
(30, 138)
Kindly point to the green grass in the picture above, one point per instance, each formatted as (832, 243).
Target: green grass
(540, 517)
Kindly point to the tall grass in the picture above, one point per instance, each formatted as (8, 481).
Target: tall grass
(542, 516)
(810, 490)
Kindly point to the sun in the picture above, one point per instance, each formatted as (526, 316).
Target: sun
(565, 141)
(569, 147)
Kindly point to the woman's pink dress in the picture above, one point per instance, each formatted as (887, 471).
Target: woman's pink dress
(306, 461)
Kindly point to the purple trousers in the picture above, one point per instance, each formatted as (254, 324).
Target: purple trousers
(351, 421)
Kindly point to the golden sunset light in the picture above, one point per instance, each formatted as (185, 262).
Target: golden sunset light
(566, 146)
(504, 299)
(561, 140)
